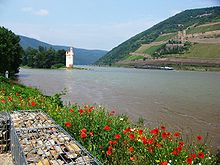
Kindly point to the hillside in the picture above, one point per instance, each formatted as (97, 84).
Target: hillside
(82, 56)
(163, 31)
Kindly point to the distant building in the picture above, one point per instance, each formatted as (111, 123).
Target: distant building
(181, 36)
(69, 58)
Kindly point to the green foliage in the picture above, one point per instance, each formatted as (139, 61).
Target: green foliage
(43, 58)
(165, 37)
(10, 52)
(203, 50)
(202, 29)
(173, 24)
(113, 139)
(133, 58)
(151, 50)
(57, 66)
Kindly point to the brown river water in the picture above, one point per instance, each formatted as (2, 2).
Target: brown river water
(181, 100)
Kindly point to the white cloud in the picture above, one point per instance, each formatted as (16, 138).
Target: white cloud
(26, 9)
(42, 12)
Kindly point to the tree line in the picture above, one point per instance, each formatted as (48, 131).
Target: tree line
(43, 58)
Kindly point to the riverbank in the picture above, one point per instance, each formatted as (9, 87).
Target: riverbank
(109, 137)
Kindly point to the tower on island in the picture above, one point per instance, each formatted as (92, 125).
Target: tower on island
(69, 58)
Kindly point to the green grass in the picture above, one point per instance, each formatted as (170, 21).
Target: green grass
(133, 58)
(151, 50)
(165, 37)
(202, 29)
(204, 50)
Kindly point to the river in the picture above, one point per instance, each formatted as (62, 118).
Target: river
(183, 100)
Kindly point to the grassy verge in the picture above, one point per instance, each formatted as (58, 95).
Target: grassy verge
(113, 139)
(202, 29)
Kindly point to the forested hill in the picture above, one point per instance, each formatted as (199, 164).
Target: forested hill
(82, 56)
(173, 24)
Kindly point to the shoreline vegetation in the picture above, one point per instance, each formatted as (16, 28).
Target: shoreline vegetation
(111, 138)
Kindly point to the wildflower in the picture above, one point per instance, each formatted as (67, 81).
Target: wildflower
(121, 119)
(164, 163)
(199, 138)
(150, 149)
(83, 130)
(107, 128)
(71, 110)
(90, 109)
(201, 155)
(174, 152)
(91, 133)
(189, 160)
(149, 141)
(181, 144)
(114, 141)
(132, 158)
(193, 156)
(131, 136)
(110, 148)
(17, 94)
(158, 145)
(33, 104)
(110, 142)
(101, 147)
(117, 136)
(3, 101)
(108, 152)
(28, 98)
(131, 149)
(83, 135)
(140, 131)
(20, 98)
(67, 124)
(176, 134)
(10, 99)
(126, 130)
(163, 127)
(80, 111)
(164, 135)
(125, 142)
(154, 131)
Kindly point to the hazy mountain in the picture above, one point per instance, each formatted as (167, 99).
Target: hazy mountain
(82, 56)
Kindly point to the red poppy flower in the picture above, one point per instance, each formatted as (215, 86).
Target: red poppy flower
(28, 98)
(164, 163)
(20, 98)
(176, 134)
(80, 111)
(90, 109)
(110, 142)
(140, 131)
(193, 156)
(131, 149)
(108, 152)
(71, 110)
(181, 144)
(199, 138)
(132, 158)
(201, 155)
(83, 130)
(125, 142)
(107, 128)
(131, 136)
(164, 135)
(33, 104)
(150, 149)
(158, 145)
(17, 94)
(189, 160)
(3, 101)
(100, 147)
(83, 135)
(67, 124)
(154, 131)
(174, 152)
(149, 141)
(114, 141)
(110, 148)
(91, 133)
(117, 136)
(163, 127)
(10, 99)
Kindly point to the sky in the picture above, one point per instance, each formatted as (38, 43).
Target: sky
(89, 24)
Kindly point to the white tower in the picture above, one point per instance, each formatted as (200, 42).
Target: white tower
(69, 58)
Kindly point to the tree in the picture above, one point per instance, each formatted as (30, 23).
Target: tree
(10, 51)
